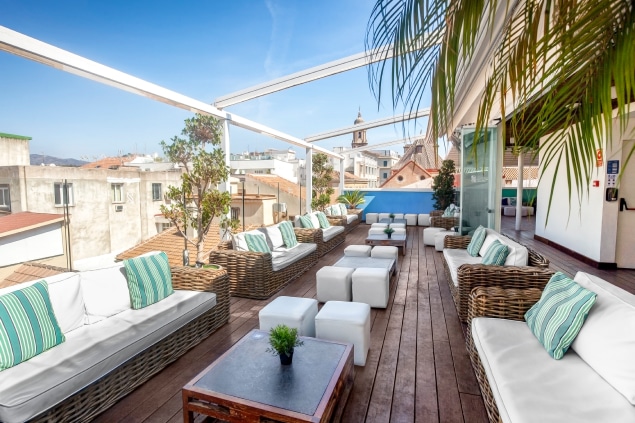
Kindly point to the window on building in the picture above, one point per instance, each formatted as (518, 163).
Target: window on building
(163, 226)
(5, 198)
(400, 178)
(385, 175)
(235, 213)
(359, 134)
(117, 193)
(63, 194)
(156, 192)
(385, 163)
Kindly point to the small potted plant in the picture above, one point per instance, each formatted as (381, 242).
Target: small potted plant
(388, 231)
(392, 217)
(282, 341)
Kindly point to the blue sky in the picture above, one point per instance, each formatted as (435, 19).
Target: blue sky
(203, 49)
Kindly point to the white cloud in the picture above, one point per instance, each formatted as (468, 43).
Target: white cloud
(282, 22)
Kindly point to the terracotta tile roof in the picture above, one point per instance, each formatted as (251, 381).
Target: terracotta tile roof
(30, 272)
(407, 171)
(109, 162)
(23, 221)
(171, 242)
(285, 185)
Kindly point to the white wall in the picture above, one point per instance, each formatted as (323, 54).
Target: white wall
(42, 242)
(586, 224)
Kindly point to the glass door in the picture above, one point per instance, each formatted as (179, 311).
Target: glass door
(479, 170)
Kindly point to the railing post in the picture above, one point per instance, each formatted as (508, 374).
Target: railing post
(309, 178)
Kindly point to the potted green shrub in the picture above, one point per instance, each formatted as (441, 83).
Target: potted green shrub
(392, 217)
(282, 341)
(388, 231)
(352, 199)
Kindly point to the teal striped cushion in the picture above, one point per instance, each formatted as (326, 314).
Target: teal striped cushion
(149, 279)
(343, 209)
(477, 241)
(335, 210)
(559, 315)
(305, 221)
(288, 234)
(324, 222)
(27, 324)
(496, 254)
(257, 243)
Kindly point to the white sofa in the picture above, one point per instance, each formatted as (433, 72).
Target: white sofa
(102, 333)
(339, 215)
(593, 382)
(523, 268)
(330, 238)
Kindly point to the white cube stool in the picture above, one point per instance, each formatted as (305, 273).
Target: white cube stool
(399, 231)
(398, 225)
(371, 218)
(294, 312)
(439, 239)
(411, 219)
(387, 252)
(384, 216)
(376, 231)
(428, 235)
(398, 215)
(334, 283)
(423, 219)
(371, 286)
(346, 322)
(357, 251)
(379, 225)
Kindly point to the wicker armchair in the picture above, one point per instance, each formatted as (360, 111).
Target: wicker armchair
(500, 303)
(316, 236)
(92, 400)
(443, 222)
(535, 275)
(341, 221)
(251, 274)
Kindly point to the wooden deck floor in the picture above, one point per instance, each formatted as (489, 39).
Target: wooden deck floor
(417, 370)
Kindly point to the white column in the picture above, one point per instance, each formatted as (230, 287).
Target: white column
(519, 191)
(309, 178)
(226, 185)
(342, 163)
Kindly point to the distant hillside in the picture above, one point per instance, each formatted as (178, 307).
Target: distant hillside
(38, 159)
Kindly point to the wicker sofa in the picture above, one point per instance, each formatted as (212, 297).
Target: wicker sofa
(106, 357)
(260, 275)
(339, 215)
(524, 268)
(520, 382)
(325, 238)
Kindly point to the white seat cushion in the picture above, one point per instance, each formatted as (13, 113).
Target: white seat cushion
(607, 338)
(350, 218)
(331, 232)
(456, 257)
(529, 386)
(283, 257)
(91, 352)
(105, 292)
(273, 235)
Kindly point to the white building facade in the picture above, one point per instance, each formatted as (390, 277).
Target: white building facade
(270, 162)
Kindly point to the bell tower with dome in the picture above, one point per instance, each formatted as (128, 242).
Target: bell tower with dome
(359, 137)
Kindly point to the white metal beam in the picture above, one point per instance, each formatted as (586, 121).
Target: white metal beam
(381, 145)
(368, 125)
(30, 48)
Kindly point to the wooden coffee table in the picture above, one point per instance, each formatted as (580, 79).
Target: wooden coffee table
(248, 384)
(395, 241)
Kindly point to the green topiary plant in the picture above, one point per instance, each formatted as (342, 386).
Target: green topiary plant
(283, 339)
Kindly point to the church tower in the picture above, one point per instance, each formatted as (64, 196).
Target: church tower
(359, 137)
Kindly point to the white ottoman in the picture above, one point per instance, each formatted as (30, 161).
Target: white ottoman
(379, 225)
(334, 283)
(398, 215)
(399, 231)
(294, 312)
(371, 218)
(398, 225)
(411, 219)
(357, 251)
(428, 235)
(439, 239)
(423, 219)
(381, 251)
(376, 231)
(384, 216)
(346, 322)
(371, 286)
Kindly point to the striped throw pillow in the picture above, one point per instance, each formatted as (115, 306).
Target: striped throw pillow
(477, 241)
(149, 279)
(496, 254)
(305, 221)
(335, 210)
(324, 222)
(559, 315)
(257, 243)
(288, 234)
(28, 325)
(343, 209)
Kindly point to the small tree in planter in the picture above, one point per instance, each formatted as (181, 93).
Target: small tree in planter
(443, 185)
(197, 202)
(322, 177)
(352, 199)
